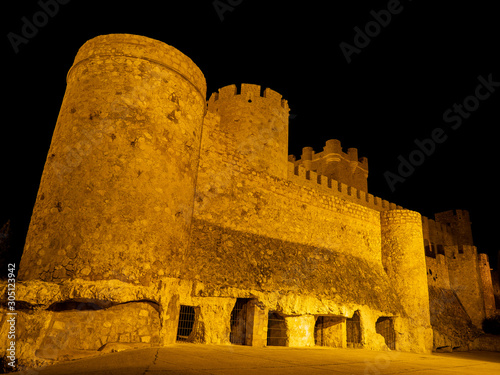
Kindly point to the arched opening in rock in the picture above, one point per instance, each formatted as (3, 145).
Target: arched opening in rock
(385, 327)
(276, 330)
(239, 318)
(330, 331)
(353, 331)
(186, 323)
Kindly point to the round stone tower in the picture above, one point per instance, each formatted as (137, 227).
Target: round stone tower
(259, 123)
(403, 258)
(116, 195)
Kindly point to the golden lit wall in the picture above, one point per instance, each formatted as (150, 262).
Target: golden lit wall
(116, 196)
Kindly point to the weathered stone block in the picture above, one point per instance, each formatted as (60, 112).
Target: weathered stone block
(300, 330)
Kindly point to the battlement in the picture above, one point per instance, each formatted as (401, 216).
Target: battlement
(334, 163)
(333, 151)
(250, 93)
(438, 235)
(436, 225)
(453, 215)
(258, 120)
(301, 176)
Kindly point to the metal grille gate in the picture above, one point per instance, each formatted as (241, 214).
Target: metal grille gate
(239, 322)
(318, 331)
(186, 323)
(276, 330)
(353, 331)
(385, 327)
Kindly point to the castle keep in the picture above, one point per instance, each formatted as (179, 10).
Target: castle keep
(161, 217)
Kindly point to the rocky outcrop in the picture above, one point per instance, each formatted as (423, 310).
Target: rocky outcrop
(75, 319)
(453, 328)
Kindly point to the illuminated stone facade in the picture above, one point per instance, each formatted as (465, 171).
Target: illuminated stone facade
(191, 217)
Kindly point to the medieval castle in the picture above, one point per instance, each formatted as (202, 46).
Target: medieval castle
(162, 218)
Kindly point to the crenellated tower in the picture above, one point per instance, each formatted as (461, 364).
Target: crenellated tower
(258, 120)
(117, 191)
(156, 205)
(334, 163)
(404, 262)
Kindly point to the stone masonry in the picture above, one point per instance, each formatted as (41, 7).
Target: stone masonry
(163, 217)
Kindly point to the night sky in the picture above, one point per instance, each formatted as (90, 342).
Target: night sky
(382, 89)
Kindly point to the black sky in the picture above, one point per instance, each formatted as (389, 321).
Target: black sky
(394, 91)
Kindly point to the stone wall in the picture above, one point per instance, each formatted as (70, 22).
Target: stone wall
(486, 285)
(44, 334)
(459, 223)
(216, 256)
(495, 280)
(455, 268)
(461, 295)
(256, 231)
(437, 272)
(466, 283)
(438, 233)
(450, 321)
(91, 329)
(232, 195)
